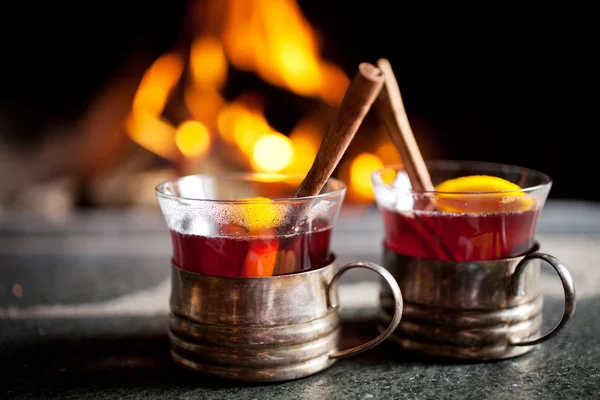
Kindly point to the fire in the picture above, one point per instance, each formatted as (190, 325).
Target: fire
(192, 139)
(227, 118)
(204, 104)
(248, 127)
(273, 40)
(361, 169)
(388, 154)
(305, 139)
(272, 152)
(144, 124)
(157, 83)
(208, 63)
(153, 133)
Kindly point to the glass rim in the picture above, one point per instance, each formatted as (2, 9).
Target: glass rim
(249, 176)
(546, 180)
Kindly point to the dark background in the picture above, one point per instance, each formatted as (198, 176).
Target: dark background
(501, 84)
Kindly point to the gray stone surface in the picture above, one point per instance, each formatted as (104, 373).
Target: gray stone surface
(127, 358)
(83, 305)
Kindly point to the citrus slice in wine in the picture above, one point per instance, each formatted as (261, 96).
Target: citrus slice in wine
(481, 194)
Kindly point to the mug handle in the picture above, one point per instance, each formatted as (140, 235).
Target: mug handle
(518, 289)
(398, 305)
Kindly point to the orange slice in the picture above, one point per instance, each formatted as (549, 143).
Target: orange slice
(260, 217)
(482, 194)
(261, 257)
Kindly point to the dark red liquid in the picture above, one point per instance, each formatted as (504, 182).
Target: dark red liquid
(249, 256)
(460, 237)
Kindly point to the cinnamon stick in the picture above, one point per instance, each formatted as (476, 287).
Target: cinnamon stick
(394, 116)
(391, 109)
(358, 99)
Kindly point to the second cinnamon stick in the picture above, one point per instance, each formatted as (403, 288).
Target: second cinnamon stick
(394, 116)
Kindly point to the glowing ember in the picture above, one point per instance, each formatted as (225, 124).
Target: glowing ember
(204, 104)
(388, 154)
(192, 139)
(144, 125)
(361, 169)
(157, 83)
(272, 152)
(306, 139)
(208, 63)
(153, 133)
(248, 128)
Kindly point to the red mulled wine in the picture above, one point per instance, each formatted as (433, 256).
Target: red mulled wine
(250, 256)
(460, 236)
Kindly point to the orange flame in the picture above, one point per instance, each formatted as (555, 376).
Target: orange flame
(152, 133)
(273, 39)
(157, 83)
(388, 153)
(361, 169)
(144, 124)
(272, 152)
(306, 139)
(192, 139)
(204, 105)
(208, 64)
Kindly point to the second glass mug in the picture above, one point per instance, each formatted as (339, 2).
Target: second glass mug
(467, 260)
(254, 283)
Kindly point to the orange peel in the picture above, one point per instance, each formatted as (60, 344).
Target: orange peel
(261, 257)
(261, 215)
(481, 194)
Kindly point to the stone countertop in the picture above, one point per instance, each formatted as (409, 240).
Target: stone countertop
(83, 306)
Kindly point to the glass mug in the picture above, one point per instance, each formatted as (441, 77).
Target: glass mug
(254, 284)
(466, 258)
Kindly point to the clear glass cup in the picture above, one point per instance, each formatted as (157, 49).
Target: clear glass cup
(467, 225)
(248, 224)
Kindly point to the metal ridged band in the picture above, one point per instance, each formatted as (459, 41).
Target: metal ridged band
(494, 351)
(258, 357)
(265, 329)
(463, 319)
(265, 374)
(253, 329)
(466, 329)
(231, 336)
(463, 310)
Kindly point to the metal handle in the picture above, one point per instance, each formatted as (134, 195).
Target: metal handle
(333, 302)
(518, 283)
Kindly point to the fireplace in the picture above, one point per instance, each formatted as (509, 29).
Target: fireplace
(211, 86)
(245, 86)
(249, 90)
